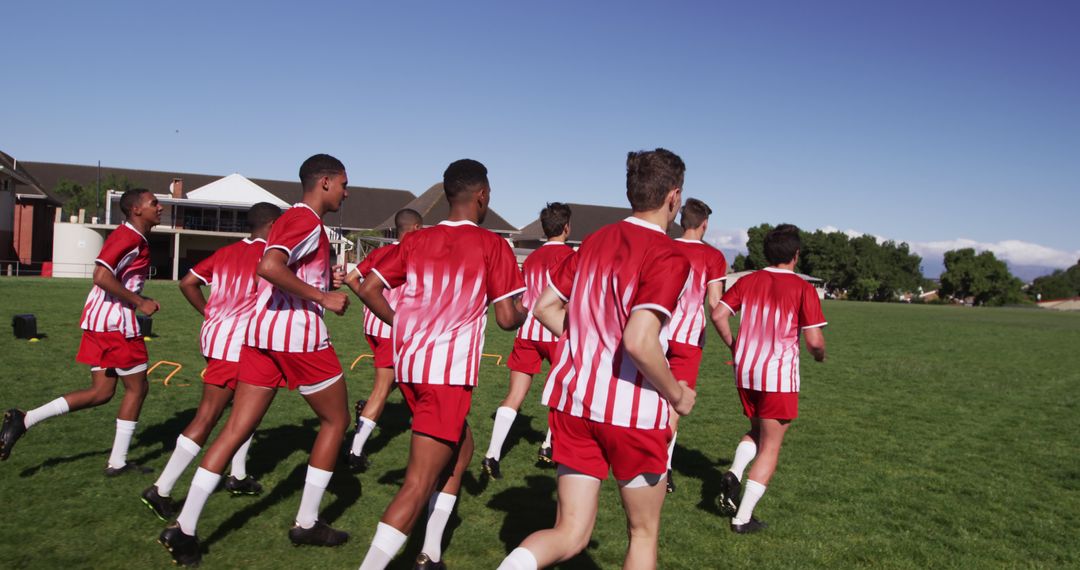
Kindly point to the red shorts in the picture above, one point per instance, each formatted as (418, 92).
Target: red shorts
(769, 405)
(221, 373)
(685, 361)
(383, 351)
(438, 410)
(592, 448)
(111, 350)
(273, 369)
(528, 354)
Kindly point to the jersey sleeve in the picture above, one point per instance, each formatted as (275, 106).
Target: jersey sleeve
(297, 236)
(810, 315)
(561, 276)
(716, 268)
(390, 268)
(661, 282)
(372, 258)
(204, 269)
(504, 278)
(733, 298)
(119, 249)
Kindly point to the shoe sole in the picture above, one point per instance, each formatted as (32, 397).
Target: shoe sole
(150, 506)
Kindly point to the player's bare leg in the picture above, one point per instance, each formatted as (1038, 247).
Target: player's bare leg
(211, 406)
(673, 423)
(642, 505)
(441, 503)
(101, 390)
(504, 419)
(369, 416)
(770, 436)
(579, 497)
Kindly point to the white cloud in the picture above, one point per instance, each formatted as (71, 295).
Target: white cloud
(1015, 252)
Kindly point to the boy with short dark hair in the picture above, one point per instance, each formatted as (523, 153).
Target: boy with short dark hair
(380, 339)
(687, 323)
(230, 271)
(777, 305)
(452, 272)
(610, 390)
(111, 342)
(286, 345)
(533, 343)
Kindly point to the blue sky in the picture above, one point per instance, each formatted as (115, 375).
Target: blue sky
(940, 124)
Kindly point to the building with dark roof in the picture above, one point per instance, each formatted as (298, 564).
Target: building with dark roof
(434, 208)
(584, 220)
(27, 211)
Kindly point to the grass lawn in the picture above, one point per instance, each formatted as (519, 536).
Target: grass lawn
(933, 436)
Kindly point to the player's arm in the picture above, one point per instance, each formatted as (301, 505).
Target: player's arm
(370, 292)
(353, 280)
(510, 313)
(104, 278)
(815, 342)
(273, 267)
(641, 339)
(550, 310)
(191, 289)
(721, 315)
(713, 293)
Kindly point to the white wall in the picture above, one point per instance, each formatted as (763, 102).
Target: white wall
(75, 247)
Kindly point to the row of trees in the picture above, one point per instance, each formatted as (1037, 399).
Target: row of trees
(76, 196)
(859, 267)
(863, 269)
(1061, 284)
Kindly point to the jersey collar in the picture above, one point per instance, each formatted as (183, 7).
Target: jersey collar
(309, 208)
(684, 240)
(777, 270)
(251, 241)
(644, 224)
(132, 228)
(553, 243)
(458, 223)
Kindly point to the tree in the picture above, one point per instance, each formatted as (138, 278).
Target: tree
(76, 196)
(981, 276)
(1060, 284)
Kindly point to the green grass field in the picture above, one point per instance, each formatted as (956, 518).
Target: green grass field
(933, 436)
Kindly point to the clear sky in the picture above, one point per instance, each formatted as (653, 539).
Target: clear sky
(936, 123)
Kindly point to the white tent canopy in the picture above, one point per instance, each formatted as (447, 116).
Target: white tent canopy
(235, 189)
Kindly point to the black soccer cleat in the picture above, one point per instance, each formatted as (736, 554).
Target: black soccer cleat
(670, 482)
(183, 548)
(424, 562)
(246, 486)
(127, 468)
(13, 428)
(490, 466)
(730, 488)
(358, 408)
(544, 456)
(753, 526)
(165, 508)
(358, 463)
(320, 534)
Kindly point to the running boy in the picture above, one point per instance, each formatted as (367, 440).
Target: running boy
(533, 342)
(687, 323)
(287, 344)
(231, 273)
(379, 338)
(610, 389)
(776, 306)
(450, 273)
(111, 343)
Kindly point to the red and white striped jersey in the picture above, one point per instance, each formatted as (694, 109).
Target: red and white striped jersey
(373, 325)
(621, 268)
(449, 274)
(231, 272)
(283, 321)
(707, 266)
(127, 254)
(536, 268)
(776, 304)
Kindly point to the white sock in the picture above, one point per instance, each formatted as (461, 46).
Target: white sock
(519, 559)
(124, 431)
(547, 439)
(384, 546)
(751, 495)
(744, 454)
(439, 508)
(504, 418)
(202, 484)
(314, 485)
(671, 450)
(366, 427)
(185, 451)
(239, 460)
(56, 407)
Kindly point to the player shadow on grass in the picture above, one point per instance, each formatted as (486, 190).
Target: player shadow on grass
(281, 443)
(54, 461)
(532, 508)
(695, 464)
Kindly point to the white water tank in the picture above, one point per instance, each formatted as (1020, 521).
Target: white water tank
(75, 247)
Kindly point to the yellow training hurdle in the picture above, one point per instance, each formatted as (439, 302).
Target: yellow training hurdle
(177, 368)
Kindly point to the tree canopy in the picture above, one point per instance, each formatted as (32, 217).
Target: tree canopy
(76, 196)
(1060, 284)
(981, 276)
